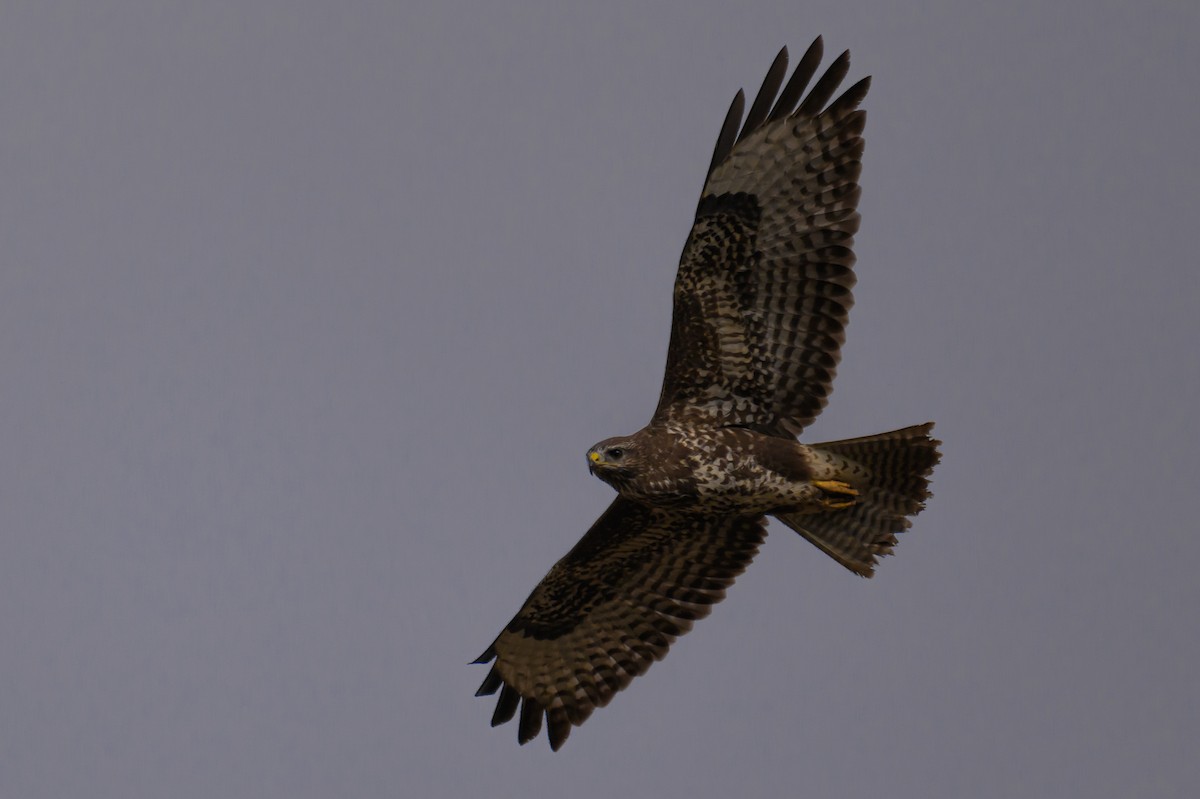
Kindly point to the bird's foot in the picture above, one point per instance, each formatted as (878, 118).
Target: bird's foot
(835, 494)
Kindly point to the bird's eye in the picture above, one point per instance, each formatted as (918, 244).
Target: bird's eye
(615, 453)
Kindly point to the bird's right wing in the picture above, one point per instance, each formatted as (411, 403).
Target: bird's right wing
(612, 606)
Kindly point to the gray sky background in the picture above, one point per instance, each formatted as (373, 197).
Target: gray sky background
(309, 311)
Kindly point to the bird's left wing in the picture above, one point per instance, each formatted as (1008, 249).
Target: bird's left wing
(763, 289)
(612, 606)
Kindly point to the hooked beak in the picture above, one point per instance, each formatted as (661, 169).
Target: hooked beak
(593, 460)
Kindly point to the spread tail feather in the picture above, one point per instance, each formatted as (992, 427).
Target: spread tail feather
(891, 473)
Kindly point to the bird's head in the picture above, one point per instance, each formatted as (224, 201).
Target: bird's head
(613, 460)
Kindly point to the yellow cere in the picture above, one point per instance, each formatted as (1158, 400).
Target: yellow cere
(594, 456)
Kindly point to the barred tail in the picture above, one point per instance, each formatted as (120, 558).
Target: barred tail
(891, 473)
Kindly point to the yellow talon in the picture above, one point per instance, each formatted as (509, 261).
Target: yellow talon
(838, 494)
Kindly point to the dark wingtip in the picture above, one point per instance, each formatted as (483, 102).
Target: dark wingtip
(851, 98)
(530, 723)
(825, 87)
(729, 129)
(558, 727)
(799, 80)
(488, 656)
(766, 95)
(506, 705)
(733, 130)
(490, 683)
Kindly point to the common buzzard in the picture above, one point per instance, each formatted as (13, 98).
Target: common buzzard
(760, 310)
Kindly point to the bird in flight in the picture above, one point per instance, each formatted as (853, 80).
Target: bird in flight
(760, 309)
